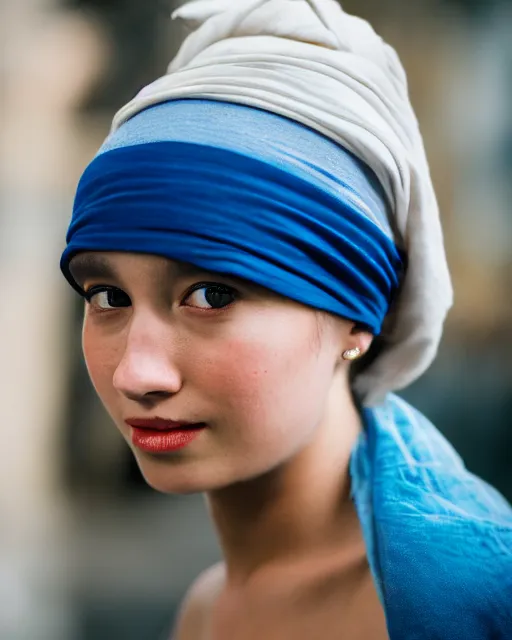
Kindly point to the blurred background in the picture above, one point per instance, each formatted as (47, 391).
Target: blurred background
(87, 552)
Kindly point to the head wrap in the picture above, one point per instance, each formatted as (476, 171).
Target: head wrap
(309, 61)
(241, 191)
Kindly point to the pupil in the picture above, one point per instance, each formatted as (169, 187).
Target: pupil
(116, 298)
(217, 297)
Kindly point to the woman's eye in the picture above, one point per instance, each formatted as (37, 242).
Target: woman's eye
(210, 296)
(106, 298)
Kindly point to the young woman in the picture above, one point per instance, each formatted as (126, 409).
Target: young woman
(259, 248)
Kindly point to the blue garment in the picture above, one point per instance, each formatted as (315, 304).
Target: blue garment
(247, 193)
(439, 539)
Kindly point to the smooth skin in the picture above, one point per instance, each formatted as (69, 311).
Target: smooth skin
(265, 373)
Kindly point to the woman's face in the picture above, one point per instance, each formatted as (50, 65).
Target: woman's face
(165, 340)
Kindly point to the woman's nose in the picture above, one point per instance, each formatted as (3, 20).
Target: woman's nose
(146, 371)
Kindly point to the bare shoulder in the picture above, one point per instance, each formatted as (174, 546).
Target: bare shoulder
(193, 614)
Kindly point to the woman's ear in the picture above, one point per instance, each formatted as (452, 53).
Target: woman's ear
(360, 338)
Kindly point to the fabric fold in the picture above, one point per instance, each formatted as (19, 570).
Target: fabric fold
(438, 538)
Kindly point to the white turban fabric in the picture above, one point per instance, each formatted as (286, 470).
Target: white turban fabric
(310, 61)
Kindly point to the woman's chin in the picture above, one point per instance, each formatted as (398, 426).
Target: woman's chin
(181, 476)
(179, 479)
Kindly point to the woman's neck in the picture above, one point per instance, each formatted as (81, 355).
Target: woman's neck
(300, 509)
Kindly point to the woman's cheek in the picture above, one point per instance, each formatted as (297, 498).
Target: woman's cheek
(253, 381)
(101, 360)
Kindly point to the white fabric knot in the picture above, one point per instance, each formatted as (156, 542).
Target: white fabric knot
(310, 61)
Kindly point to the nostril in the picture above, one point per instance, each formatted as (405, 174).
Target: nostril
(157, 395)
(148, 398)
(165, 394)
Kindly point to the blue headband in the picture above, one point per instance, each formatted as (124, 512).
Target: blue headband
(247, 193)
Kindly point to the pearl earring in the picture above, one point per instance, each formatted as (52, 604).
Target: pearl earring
(352, 354)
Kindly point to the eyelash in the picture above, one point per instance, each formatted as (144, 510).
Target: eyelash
(93, 291)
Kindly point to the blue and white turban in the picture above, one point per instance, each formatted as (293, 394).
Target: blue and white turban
(281, 148)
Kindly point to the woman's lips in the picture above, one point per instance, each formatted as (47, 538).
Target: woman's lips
(157, 435)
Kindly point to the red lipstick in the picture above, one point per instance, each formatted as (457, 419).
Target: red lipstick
(157, 435)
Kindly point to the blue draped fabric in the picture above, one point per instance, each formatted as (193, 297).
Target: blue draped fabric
(243, 192)
(439, 539)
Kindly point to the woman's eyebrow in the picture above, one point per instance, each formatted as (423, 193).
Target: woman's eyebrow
(86, 266)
